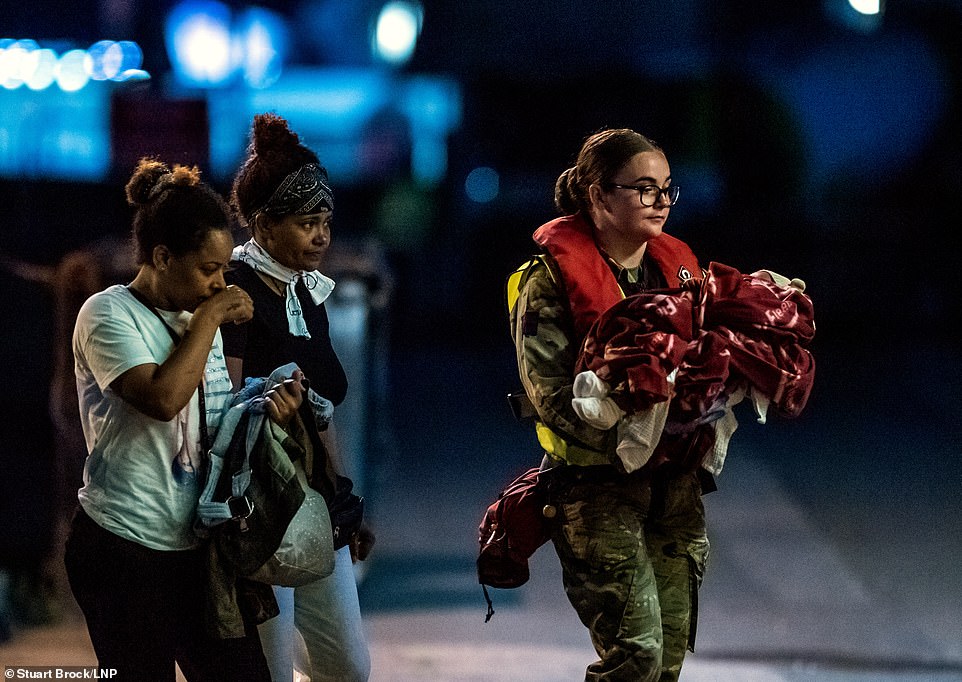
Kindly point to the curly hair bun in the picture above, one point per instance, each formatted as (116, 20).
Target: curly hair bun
(186, 176)
(271, 134)
(145, 178)
(151, 176)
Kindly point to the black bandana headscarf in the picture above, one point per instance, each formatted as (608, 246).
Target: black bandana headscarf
(302, 192)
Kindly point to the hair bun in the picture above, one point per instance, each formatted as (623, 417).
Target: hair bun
(152, 176)
(185, 176)
(271, 135)
(146, 177)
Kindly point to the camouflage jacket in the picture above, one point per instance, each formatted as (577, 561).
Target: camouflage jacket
(544, 337)
(552, 301)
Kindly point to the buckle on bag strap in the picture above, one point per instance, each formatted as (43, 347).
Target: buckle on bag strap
(240, 507)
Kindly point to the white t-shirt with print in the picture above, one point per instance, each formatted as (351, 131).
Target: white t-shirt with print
(142, 477)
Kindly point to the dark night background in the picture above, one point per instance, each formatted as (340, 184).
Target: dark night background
(801, 144)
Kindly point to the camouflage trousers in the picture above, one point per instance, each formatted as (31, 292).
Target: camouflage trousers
(633, 553)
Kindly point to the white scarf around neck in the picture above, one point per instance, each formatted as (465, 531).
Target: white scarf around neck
(318, 286)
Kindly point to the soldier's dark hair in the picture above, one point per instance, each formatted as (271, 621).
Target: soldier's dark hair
(602, 155)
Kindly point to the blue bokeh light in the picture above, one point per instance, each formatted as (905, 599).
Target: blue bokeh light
(396, 31)
(198, 37)
(261, 44)
(43, 69)
(482, 184)
(73, 70)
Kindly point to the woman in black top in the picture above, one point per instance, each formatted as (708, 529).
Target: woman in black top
(260, 343)
(282, 194)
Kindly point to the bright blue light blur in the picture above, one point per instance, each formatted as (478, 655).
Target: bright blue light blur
(328, 107)
(367, 122)
(261, 37)
(15, 62)
(98, 53)
(864, 16)
(55, 134)
(61, 132)
(43, 70)
(333, 110)
(111, 60)
(73, 70)
(24, 62)
(866, 6)
(210, 48)
(396, 31)
(198, 38)
(433, 107)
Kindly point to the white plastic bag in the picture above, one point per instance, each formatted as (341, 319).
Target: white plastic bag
(306, 552)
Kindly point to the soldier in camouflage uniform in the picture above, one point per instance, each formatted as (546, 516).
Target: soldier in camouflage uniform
(632, 546)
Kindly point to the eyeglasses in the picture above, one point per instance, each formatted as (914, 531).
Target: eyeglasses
(651, 193)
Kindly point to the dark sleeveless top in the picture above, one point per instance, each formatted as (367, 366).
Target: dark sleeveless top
(265, 343)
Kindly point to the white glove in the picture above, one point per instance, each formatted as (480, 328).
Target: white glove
(591, 402)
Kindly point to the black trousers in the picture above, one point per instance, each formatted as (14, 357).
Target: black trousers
(145, 611)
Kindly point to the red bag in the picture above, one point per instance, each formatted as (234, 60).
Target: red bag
(512, 529)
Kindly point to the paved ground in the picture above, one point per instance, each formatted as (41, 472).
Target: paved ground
(836, 538)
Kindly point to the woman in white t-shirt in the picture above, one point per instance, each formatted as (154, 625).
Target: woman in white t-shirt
(142, 351)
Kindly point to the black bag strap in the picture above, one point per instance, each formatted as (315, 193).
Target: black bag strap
(205, 440)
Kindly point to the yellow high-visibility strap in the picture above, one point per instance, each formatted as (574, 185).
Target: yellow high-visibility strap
(516, 281)
(558, 447)
(550, 441)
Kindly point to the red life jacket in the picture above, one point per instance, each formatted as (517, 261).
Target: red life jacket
(589, 282)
